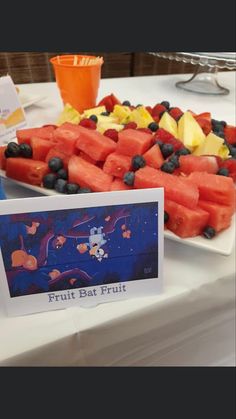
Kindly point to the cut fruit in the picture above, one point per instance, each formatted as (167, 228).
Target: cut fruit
(185, 222)
(94, 144)
(169, 124)
(153, 157)
(212, 145)
(230, 134)
(141, 117)
(117, 165)
(104, 126)
(180, 190)
(190, 163)
(122, 113)
(94, 111)
(166, 137)
(26, 170)
(132, 142)
(219, 215)
(40, 148)
(24, 135)
(109, 102)
(189, 131)
(204, 120)
(87, 175)
(69, 114)
(65, 138)
(215, 188)
(119, 185)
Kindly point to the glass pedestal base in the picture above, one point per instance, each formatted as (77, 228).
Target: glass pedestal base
(204, 82)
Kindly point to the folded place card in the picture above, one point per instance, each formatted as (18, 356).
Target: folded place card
(12, 116)
(83, 249)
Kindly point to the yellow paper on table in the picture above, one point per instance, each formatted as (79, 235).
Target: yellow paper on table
(12, 116)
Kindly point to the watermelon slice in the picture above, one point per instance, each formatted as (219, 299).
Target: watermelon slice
(87, 175)
(65, 138)
(219, 215)
(40, 148)
(94, 144)
(133, 142)
(215, 188)
(204, 120)
(230, 134)
(26, 170)
(165, 137)
(119, 185)
(185, 222)
(117, 165)
(154, 157)
(24, 135)
(180, 190)
(109, 102)
(190, 163)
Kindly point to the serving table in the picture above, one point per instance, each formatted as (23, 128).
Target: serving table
(191, 323)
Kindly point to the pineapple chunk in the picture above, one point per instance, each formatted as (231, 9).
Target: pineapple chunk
(141, 116)
(103, 119)
(122, 113)
(103, 127)
(94, 111)
(69, 114)
(213, 145)
(169, 124)
(189, 131)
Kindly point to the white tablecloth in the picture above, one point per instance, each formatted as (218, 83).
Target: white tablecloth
(191, 323)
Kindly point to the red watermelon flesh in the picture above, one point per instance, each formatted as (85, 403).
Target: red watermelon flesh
(219, 215)
(154, 157)
(86, 157)
(87, 175)
(109, 102)
(24, 135)
(215, 188)
(168, 138)
(180, 190)
(53, 152)
(94, 144)
(26, 170)
(65, 138)
(119, 185)
(230, 164)
(117, 164)
(185, 222)
(2, 157)
(133, 142)
(40, 148)
(190, 163)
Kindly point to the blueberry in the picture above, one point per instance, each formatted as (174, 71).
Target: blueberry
(55, 164)
(49, 180)
(168, 167)
(182, 152)
(175, 160)
(84, 190)
(72, 188)
(138, 162)
(60, 185)
(220, 134)
(216, 125)
(26, 151)
(166, 104)
(153, 126)
(232, 150)
(129, 178)
(12, 150)
(62, 174)
(223, 171)
(166, 217)
(126, 103)
(223, 124)
(209, 232)
(167, 150)
(94, 118)
(105, 113)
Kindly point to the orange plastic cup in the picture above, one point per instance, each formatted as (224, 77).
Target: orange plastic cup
(78, 84)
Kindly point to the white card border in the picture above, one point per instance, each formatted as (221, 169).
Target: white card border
(37, 302)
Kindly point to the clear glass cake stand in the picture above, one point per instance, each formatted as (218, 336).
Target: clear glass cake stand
(204, 80)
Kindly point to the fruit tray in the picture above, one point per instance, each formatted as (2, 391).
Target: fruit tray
(222, 244)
